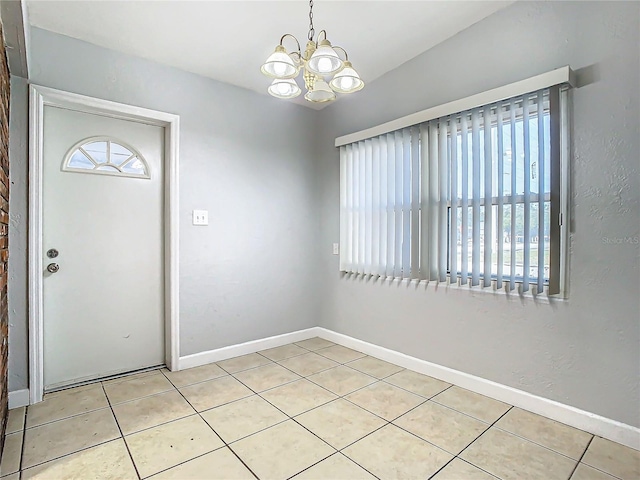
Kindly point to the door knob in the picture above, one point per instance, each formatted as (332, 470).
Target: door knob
(53, 267)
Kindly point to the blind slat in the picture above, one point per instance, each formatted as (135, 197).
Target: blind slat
(391, 199)
(475, 144)
(464, 240)
(488, 195)
(424, 210)
(397, 270)
(453, 211)
(415, 202)
(406, 203)
(368, 200)
(541, 192)
(382, 253)
(527, 191)
(500, 221)
(433, 200)
(514, 185)
(443, 199)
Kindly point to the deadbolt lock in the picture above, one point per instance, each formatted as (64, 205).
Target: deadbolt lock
(52, 253)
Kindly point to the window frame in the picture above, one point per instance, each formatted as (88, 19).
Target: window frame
(95, 171)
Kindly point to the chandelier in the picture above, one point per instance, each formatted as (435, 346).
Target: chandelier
(319, 62)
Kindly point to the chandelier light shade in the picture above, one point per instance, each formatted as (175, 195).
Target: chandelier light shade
(323, 70)
(325, 60)
(284, 88)
(320, 92)
(346, 80)
(279, 65)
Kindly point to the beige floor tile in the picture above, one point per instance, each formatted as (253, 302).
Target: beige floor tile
(107, 461)
(375, 367)
(238, 419)
(13, 476)
(137, 388)
(392, 453)
(585, 472)
(315, 343)
(478, 406)
(448, 429)
(342, 380)
(417, 383)
(244, 362)
(336, 467)
(53, 440)
(130, 376)
(613, 458)
(460, 470)
(268, 376)
(281, 451)
(385, 400)
(206, 395)
(548, 433)
(66, 403)
(340, 354)
(167, 445)
(11, 453)
(151, 411)
(286, 351)
(308, 364)
(15, 420)
(298, 397)
(220, 464)
(340, 423)
(509, 457)
(195, 375)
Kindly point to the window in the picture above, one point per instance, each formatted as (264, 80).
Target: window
(473, 197)
(105, 156)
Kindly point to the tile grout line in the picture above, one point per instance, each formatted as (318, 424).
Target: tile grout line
(471, 443)
(289, 417)
(581, 457)
(224, 443)
(126, 445)
(24, 434)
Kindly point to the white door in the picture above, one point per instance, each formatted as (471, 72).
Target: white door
(103, 213)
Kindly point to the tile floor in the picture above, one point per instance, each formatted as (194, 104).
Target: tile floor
(310, 410)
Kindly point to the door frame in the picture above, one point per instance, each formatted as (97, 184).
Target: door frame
(39, 97)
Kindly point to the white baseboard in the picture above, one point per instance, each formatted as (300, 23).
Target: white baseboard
(253, 346)
(19, 398)
(581, 419)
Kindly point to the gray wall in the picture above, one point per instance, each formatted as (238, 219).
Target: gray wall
(582, 352)
(244, 157)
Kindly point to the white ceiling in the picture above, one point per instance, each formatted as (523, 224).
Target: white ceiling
(229, 40)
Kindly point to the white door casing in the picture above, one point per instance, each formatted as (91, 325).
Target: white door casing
(39, 98)
(103, 304)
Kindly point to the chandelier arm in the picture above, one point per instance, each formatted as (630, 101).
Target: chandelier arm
(296, 40)
(321, 32)
(346, 57)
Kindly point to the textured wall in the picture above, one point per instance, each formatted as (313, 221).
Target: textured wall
(244, 157)
(582, 352)
(4, 239)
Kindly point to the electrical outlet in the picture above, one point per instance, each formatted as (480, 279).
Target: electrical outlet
(336, 249)
(200, 217)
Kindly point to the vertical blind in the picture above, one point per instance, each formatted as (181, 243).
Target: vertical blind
(467, 198)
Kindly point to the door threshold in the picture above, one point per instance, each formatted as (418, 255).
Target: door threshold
(104, 379)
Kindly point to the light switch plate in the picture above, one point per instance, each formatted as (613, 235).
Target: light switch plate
(336, 249)
(200, 217)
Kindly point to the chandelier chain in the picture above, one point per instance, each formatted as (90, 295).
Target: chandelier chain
(312, 31)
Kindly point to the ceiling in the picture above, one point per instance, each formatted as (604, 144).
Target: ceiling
(229, 40)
